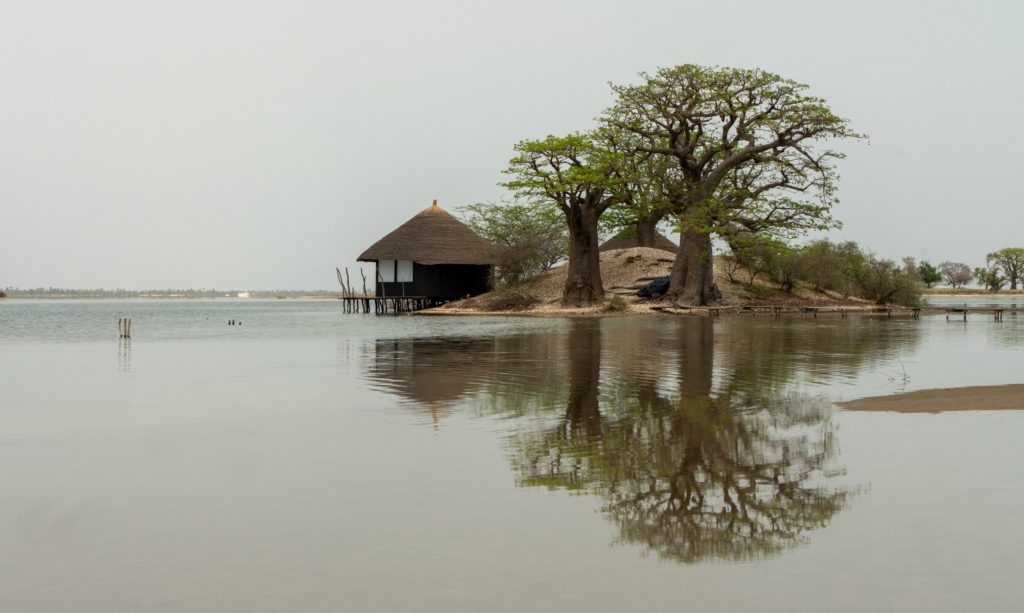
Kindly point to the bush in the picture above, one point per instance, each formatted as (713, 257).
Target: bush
(830, 266)
(886, 282)
(529, 238)
(616, 304)
(989, 278)
(509, 299)
(929, 274)
(758, 292)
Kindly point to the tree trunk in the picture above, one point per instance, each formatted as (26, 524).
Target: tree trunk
(646, 231)
(583, 282)
(692, 281)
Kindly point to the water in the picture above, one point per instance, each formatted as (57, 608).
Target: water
(313, 461)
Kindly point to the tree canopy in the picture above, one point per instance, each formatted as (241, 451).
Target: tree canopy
(957, 274)
(928, 273)
(746, 151)
(1010, 262)
(577, 176)
(531, 237)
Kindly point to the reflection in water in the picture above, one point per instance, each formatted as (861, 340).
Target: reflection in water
(693, 433)
(124, 355)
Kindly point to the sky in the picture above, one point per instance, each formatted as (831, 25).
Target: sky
(258, 145)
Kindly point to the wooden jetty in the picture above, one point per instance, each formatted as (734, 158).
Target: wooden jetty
(381, 305)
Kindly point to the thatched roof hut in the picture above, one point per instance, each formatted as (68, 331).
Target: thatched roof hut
(432, 236)
(433, 255)
(627, 240)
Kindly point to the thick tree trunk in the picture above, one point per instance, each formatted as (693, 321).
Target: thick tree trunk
(646, 231)
(583, 282)
(692, 281)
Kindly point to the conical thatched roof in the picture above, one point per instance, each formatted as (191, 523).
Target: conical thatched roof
(627, 240)
(433, 236)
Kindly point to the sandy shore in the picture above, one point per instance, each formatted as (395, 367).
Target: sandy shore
(978, 398)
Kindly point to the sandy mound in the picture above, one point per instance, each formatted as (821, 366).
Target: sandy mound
(624, 271)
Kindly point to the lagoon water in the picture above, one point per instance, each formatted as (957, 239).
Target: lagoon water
(308, 460)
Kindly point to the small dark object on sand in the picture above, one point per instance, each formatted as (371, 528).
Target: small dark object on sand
(654, 289)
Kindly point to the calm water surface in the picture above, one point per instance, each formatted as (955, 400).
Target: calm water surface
(313, 461)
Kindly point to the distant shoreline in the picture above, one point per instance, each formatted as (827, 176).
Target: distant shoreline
(152, 296)
(953, 293)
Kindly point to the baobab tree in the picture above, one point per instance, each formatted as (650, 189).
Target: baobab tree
(575, 175)
(1010, 261)
(715, 123)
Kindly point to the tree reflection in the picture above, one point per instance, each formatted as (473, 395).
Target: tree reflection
(701, 474)
(693, 433)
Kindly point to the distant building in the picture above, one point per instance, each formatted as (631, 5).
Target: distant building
(433, 255)
(627, 240)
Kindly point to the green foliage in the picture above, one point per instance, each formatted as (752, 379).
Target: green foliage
(764, 255)
(745, 147)
(990, 278)
(956, 274)
(886, 282)
(758, 292)
(929, 274)
(828, 266)
(530, 237)
(564, 171)
(1008, 261)
(825, 266)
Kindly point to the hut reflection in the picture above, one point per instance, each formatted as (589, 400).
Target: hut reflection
(431, 374)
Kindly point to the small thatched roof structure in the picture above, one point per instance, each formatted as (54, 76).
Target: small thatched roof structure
(433, 236)
(627, 240)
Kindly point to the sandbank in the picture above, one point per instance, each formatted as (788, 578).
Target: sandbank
(975, 398)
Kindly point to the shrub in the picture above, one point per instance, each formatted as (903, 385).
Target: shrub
(758, 292)
(529, 238)
(990, 278)
(929, 274)
(616, 304)
(886, 282)
(509, 299)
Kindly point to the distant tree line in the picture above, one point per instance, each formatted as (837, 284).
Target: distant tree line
(1002, 267)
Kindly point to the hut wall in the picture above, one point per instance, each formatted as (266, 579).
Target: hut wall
(442, 281)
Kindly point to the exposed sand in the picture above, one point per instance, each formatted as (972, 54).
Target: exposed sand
(977, 398)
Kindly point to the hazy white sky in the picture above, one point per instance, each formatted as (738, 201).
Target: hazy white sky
(259, 144)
